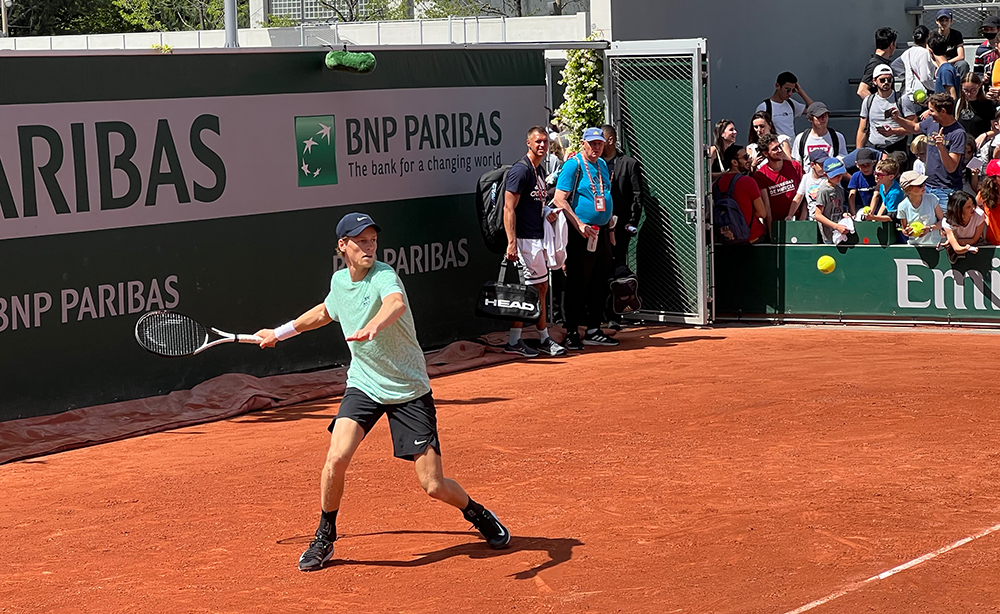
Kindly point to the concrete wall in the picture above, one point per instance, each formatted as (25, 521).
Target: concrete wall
(412, 32)
(749, 43)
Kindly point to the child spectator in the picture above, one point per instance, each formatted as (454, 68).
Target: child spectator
(830, 201)
(919, 207)
(862, 185)
(947, 80)
(919, 149)
(989, 200)
(809, 188)
(886, 203)
(963, 226)
(818, 136)
(761, 124)
(973, 110)
(970, 174)
(987, 143)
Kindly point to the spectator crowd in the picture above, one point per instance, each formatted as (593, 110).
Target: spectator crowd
(925, 156)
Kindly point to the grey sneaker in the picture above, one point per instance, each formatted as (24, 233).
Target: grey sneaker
(320, 551)
(598, 338)
(551, 348)
(520, 349)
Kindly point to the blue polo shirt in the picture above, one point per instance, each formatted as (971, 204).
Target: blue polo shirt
(573, 178)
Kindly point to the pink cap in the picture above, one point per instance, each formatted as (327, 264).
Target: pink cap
(993, 168)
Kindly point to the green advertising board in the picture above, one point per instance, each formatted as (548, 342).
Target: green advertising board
(878, 279)
(211, 184)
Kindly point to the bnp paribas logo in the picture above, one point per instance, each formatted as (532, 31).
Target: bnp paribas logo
(316, 140)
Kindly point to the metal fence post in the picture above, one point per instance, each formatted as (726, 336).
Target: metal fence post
(451, 37)
(503, 28)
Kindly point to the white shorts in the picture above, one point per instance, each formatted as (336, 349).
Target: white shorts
(536, 269)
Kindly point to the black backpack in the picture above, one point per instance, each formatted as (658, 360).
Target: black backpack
(727, 215)
(490, 197)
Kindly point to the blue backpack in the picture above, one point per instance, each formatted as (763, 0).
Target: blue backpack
(727, 215)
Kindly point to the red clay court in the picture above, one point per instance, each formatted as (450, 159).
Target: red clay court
(727, 470)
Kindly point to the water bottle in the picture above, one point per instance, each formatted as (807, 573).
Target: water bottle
(592, 241)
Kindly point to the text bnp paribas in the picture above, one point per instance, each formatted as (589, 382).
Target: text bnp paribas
(424, 137)
(117, 144)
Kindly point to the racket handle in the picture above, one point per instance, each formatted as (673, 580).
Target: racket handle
(248, 339)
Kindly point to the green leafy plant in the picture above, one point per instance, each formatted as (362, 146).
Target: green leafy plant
(584, 79)
(279, 21)
(164, 48)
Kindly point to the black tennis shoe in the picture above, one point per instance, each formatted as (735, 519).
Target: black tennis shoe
(598, 338)
(497, 535)
(572, 342)
(320, 551)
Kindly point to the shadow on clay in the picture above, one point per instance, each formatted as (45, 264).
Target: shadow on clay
(559, 550)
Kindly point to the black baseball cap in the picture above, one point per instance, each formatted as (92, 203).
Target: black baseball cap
(992, 22)
(352, 224)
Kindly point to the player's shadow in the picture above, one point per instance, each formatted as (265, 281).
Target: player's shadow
(649, 341)
(472, 401)
(324, 410)
(559, 550)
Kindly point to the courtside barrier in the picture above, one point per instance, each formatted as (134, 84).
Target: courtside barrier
(211, 183)
(875, 279)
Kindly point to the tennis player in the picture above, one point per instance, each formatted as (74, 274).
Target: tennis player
(387, 375)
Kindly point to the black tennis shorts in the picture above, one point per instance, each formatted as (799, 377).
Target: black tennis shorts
(413, 424)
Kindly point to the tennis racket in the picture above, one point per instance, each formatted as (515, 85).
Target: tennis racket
(167, 333)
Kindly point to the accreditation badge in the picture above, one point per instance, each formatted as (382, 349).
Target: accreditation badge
(599, 203)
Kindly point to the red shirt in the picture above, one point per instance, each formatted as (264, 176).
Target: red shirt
(780, 186)
(745, 193)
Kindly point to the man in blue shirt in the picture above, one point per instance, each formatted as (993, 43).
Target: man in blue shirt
(584, 194)
(945, 145)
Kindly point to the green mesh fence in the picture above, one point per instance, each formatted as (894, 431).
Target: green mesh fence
(656, 114)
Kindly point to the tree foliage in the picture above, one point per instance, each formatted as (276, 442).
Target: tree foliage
(583, 78)
(58, 17)
(368, 10)
(173, 15)
(437, 9)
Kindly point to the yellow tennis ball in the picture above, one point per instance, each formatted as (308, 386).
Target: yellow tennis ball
(866, 210)
(919, 96)
(917, 228)
(826, 264)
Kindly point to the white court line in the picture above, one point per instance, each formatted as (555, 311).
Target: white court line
(885, 574)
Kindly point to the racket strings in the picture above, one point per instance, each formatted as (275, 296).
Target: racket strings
(170, 334)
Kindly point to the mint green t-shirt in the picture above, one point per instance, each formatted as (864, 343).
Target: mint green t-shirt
(390, 368)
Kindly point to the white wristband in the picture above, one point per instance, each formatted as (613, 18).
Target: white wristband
(285, 331)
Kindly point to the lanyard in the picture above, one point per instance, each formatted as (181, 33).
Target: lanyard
(543, 190)
(600, 177)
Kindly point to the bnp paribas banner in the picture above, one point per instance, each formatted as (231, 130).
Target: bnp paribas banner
(218, 196)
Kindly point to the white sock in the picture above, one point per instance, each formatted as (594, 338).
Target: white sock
(515, 336)
(543, 334)
(591, 331)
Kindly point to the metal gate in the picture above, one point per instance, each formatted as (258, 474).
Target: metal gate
(658, 100)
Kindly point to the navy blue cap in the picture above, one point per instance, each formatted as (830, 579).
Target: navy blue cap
(943, 13)
(818, 155)
(352, 224)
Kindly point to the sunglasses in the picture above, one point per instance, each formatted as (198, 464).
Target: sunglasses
(883, 80)
(881, 174)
